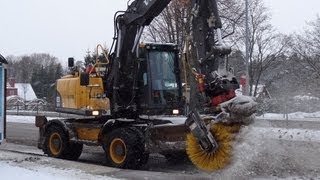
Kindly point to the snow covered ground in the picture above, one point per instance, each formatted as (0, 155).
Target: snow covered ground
(14, 172)
(292, 116)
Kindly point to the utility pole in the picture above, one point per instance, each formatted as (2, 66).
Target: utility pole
(247, 86)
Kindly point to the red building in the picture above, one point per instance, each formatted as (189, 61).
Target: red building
(11, 90)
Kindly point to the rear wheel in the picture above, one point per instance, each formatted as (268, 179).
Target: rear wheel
(124, 148)
(74, 151)
(57, 144)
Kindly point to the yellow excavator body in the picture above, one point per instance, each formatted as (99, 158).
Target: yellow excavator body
(75, 97)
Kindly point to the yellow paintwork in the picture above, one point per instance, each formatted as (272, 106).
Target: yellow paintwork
(90, 134)
(82, 97)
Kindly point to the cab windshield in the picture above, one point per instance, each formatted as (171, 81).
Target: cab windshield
(163, 77)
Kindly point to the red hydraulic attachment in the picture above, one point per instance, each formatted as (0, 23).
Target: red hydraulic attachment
(216, 100)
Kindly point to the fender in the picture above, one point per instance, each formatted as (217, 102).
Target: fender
(47, 124)
(109, 126)
(58, 123)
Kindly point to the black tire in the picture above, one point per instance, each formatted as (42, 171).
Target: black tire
(124, 149)
(74, 151)
(145, 156)
(57, 144)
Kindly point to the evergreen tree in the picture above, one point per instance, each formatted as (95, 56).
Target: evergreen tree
(89, 59)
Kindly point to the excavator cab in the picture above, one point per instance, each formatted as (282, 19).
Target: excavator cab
(160, 90)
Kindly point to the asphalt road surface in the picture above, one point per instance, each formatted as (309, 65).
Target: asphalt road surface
(255, 155)
(27, 134)
(22, 133)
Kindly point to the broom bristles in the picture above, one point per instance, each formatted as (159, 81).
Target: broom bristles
(210, 161)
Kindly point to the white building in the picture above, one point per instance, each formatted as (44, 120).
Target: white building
(25, 91)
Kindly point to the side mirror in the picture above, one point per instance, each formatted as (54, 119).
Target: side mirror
(70, 62)
(84, 79)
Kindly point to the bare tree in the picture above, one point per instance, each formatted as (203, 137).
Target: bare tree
(174, 23)
(22, 67)
(307, 46)
(265, 44)
(232, 16)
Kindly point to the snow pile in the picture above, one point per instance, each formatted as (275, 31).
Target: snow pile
(305, 135)
(304, 98)
(244, 153)
(8, 171)
(295, 115)
(255, 150)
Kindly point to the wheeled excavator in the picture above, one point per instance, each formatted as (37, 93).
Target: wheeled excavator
(130, 102)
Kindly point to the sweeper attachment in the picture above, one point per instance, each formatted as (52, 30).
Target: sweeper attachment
(209, 143)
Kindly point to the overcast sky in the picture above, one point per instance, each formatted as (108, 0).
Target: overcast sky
(68, 28)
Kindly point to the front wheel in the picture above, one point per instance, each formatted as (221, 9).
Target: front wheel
(124, 148)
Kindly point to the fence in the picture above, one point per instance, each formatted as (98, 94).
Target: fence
(30, 107)
(32, 110)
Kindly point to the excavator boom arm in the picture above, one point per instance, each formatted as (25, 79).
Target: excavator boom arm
(129, 26)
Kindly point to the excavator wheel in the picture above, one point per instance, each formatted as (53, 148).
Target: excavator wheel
(57, 144)
(124, 149)
(145, 156)
(210, 161)
(74, 152)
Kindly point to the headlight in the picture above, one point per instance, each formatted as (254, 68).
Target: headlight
(175, 111)
(95, 113)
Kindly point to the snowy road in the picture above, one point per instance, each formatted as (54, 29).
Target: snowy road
(267, 149)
